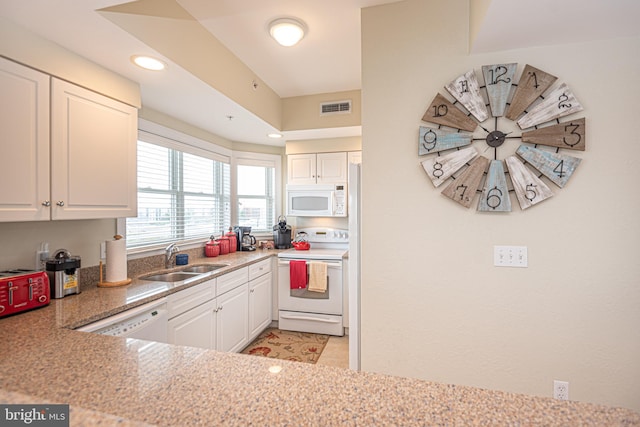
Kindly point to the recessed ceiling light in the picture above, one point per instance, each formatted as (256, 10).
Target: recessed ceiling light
(148, 63)
(287, 31)
(274, 135)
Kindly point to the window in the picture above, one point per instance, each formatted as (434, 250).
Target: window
(256, 202)
(183, 193)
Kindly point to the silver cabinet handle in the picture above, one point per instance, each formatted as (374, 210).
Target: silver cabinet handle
(46, 203)
(60, 203)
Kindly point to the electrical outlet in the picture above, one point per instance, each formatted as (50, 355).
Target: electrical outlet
(560, 390)
(510, 256)
(103, 250)
(41, 256)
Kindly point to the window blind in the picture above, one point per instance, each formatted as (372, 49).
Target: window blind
(256, 195)
(181, 197)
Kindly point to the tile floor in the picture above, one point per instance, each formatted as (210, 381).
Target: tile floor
(336, 352)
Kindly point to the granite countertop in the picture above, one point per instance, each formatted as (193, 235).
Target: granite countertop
(108, 380)
(94, 303)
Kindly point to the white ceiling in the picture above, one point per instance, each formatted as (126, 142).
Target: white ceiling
(327, 59)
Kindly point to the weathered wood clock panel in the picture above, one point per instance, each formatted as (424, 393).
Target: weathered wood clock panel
(499, 108)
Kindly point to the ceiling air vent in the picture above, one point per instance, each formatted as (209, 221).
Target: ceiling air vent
(338, 107)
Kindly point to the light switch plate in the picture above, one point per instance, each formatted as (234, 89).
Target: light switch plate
(510, 256)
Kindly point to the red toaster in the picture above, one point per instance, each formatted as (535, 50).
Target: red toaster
(22, 290)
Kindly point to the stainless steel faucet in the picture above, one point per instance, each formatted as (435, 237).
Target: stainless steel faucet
(169, 252)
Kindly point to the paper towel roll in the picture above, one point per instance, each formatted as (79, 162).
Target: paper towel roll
(116, 260)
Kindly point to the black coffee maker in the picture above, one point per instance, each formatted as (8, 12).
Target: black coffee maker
(282, 234)
(246, 242)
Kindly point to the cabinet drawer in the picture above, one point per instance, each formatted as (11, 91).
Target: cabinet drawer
(232, 280)
(185, 300)
(259, 268)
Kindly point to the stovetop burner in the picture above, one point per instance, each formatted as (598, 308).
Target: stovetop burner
(326, 243)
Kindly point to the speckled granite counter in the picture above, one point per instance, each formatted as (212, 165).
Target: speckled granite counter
(115, 380)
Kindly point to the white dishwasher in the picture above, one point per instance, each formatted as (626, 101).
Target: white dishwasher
(146, 322)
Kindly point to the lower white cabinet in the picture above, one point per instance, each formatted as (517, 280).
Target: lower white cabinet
(224, 313)
(196, 327)
(259, 305)
(233, 319)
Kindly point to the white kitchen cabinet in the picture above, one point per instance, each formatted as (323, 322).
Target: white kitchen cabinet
(68, 153)
(192, 316)
(24, 142)
(233, 319)
(320, 168)
(93, 154)
(259, 305)
(354, 157)
(223, 313)
(232, 280)
(196, 327)
(260, 285)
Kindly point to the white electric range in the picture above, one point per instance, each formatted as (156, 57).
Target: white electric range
(317, 312)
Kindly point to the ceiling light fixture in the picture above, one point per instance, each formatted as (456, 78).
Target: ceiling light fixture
(148, 63)
(287, 31)
(274, 135)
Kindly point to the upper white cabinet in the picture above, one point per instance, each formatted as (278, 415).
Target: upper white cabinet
(68, 153)
(93, 154)
(320, 168)
(354, 157)
(24, 143)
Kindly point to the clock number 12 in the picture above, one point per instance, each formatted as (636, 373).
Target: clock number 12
(497, 76)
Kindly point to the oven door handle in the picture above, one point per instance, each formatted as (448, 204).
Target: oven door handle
(329, 264)
(315, 319)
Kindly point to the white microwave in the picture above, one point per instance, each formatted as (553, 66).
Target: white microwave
(317, 200)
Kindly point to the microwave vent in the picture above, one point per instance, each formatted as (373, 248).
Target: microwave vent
(335, 107)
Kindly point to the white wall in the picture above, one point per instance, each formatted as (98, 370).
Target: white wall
(433, 305)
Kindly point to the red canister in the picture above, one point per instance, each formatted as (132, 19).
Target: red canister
(224, 245)
(212, 249)
(233, 240)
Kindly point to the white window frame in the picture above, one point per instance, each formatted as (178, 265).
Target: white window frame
(170, 138)
(255, 159)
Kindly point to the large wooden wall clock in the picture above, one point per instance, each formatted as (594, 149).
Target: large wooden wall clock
(520, 126)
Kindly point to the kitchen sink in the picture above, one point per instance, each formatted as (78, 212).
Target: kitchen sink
(175, 276)
(202, 268)
(187, 273)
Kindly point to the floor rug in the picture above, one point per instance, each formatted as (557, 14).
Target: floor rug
(288, 345)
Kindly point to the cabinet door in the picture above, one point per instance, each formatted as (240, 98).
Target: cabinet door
(301, 169)
(24, 139)
(195, 328)
(259, 305)
(233, 320)
(332, 168)
(93, 154)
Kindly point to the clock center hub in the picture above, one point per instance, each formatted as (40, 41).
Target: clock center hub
(496, 138)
